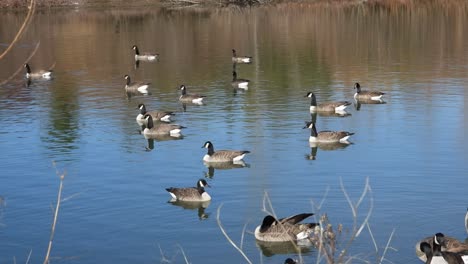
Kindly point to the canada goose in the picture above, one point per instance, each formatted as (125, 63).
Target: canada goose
(241, 59)
(430, 241)
(41, 74)
(239, 83)
(449, 257)
(435, 256)
(164, 116)
(338, 106)
(190, 98)
(134, 87)
(450, 244)
(366, 95)
(285, 229)
(290, 261)
(194, 194)
(161, 129)
(327, 136)
(222, 155)
(145, 56)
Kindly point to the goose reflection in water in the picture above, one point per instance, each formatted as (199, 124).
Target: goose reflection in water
(185, 106)
(360, 102)
(212, 166)
(151, 138)
(284, 248)
(130, 95)
(325, 146)
(199, 206)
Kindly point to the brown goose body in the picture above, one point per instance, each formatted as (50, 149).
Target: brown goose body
(285, 229)
(164, 116)
(190, 194)
(144, 56)
(161, 129)
(332, 106)
(240, 59)
(185, 97)
(366, 95)
(222, 155)
(327, 136)
(136, 87)
(40, 74)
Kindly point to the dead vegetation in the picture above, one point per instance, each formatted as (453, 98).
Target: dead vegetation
(332, 241)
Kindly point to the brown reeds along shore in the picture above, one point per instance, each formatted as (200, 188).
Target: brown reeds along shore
(7, 4)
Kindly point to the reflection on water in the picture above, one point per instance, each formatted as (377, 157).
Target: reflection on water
(325, 146)
(199, 206)
(212, 166)
(2, 206)
(269, 249)
(83, 116)
(360, 102)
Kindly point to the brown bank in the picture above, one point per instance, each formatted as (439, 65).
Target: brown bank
(14, 4)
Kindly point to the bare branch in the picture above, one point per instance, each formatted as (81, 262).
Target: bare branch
(387, 246)
(32, 8)
(54, 223)
(227, 236)
(183, 254)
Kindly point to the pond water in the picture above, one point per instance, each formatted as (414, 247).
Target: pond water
(412, 149)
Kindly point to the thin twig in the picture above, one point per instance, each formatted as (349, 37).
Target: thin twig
(21, 67)
(387, 246)
(54, 223)
(29, 256)
(366, 188)
(71, 196)
(347, 198)
(371, 208)
(183, 254)
(324, 197)
(242, 236)
(164, 259)
(27, 20)
(228, 238)
(372, 237)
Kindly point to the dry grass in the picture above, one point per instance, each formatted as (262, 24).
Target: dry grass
(391, 4)
(332, 243)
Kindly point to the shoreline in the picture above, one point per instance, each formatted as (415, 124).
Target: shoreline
(22, 4)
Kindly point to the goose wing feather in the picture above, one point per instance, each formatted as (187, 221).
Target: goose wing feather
(333, 135)
(184, 193)
(228, 154)
(160, 129)
(156, 115)
(295, 218)
(334, 104)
